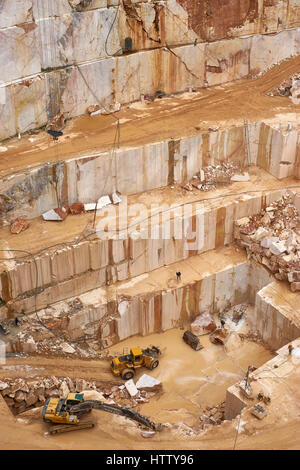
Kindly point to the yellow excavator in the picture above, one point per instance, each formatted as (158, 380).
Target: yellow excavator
(64, 413)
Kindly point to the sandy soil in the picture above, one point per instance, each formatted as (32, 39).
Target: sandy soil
(185, 114)
(186, 392)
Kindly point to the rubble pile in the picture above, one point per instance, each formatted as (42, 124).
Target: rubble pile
(284, 88)
(47, 334)
(203, 324)
(64, 328)
(21, 394)
(272, 238)
(212, 415)
(210, 176)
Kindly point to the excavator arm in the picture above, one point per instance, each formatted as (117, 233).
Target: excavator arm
(87, 405)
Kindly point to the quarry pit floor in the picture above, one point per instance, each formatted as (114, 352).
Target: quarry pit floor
(192, 380)
(176, 116)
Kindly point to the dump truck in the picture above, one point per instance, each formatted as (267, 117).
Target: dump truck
(126, 365)
(192, 340)
(64, 414)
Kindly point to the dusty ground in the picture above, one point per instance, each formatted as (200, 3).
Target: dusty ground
(187, 391)
(185, 114)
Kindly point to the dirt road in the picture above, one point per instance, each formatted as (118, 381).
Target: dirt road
(182, 115)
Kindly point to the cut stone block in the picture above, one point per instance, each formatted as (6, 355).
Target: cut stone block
(148, 383)
(131, 388)
(295, 286)
(267, 242)
(116, 198)
(260, 234)
(277, 248)
(57, 214)
(243, 177)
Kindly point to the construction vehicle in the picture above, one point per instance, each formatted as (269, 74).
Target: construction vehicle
(192, 340)
(126, 365)
(265, 398)
(258, 411)
(64, 413)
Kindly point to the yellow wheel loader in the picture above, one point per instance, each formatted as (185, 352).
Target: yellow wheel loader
(126, 365)
(64, 413)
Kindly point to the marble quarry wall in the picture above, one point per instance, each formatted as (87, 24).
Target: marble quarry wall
(142, 307)
(94, 263)
(65, 55)
(135, 170)
(277, 314)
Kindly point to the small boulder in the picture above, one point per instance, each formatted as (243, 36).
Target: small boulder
(202, 324)
(19, 225)
(77, 208)
(267, 242)
(80, 384)
(64, 389)
(238, 177)
(31, 399)
(277, 248)
(67, 348)
(3, 385)
(19, 396)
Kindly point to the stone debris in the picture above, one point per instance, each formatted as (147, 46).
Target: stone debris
(148, 383)
(238, 312)
(103, 201)
(93, 395)
(22, 394)
(240, 177)
(131, 388)
(284, 89)
(116, 199)
(218, 336)
(208, 178)
(272, 238)
(233, 342)
(90, 206)
(147, 434)
(203, 324)
(57, 123)
(77, 208)
(3, 386)
(67, 348)
(58, 214)
(94, 109)
(212, 415)
(19, 225)
(188, 187)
